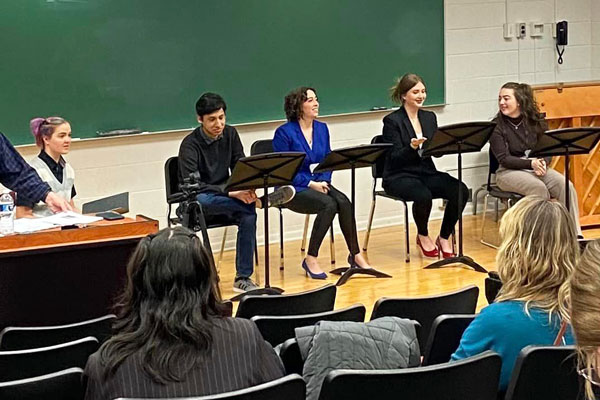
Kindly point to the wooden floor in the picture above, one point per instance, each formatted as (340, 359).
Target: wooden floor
(386, 253)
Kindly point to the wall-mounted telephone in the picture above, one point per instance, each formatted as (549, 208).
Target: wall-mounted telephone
(561, 38)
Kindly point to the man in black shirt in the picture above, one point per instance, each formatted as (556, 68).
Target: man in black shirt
(212, 150)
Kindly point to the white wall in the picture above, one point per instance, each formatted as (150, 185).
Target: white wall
(478, 61)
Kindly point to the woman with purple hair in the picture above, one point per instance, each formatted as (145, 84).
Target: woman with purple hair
(53, 137)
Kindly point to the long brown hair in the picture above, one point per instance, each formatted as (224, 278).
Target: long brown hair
(585, 310)
(530, 111)
(165, 313)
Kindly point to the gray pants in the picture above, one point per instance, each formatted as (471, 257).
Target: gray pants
(551, 185)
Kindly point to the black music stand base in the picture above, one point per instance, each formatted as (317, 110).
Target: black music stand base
(267, 291)
(347, 273)
(466, 260)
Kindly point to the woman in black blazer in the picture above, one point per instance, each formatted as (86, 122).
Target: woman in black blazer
(412, 177)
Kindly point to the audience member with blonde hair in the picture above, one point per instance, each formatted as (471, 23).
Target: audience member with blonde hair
(538, 253)
(585, 315)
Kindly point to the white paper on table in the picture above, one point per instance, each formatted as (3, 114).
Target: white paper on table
(28, 225)
(70, 218)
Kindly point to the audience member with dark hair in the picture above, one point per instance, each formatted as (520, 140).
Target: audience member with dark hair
(314, 192)
(585, 316)
(170, 338)
(537, 256)
(53, 137)
(519, 126)
(412, 177)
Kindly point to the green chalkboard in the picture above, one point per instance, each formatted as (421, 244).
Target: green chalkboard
(116, 64)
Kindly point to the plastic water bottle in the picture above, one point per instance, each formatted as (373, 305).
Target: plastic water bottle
(7, 214)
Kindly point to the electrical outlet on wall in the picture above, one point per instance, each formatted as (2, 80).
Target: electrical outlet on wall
(521, 30)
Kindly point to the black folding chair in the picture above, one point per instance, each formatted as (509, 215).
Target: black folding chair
(545, 372)
(508, 198)
(22, 364)
(290, 387)
(278, 329)
(446, 332)
(493, 284)
(426, 309)
(291, 357)
(21, 338)
(474, 378)
(377, 173)
(63, 385)
(266, 146)
(309, 302)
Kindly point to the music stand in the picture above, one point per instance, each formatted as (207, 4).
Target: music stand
(467, 137)
(352, 158)
(264, 171)
(564, 142)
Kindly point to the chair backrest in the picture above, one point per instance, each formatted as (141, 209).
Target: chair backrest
(291, 357)
(492, 287)
(172, 178)
(377, 168)
(474, 378)
(63, 385)
(444, 338)
(309, 302)
(261, 147)
(278, 329)
(21, 338)
(545, 372)
(22, 364)
(494, 165)
(290, 387)
(426, 309)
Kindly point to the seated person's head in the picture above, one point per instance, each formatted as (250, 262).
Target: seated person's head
(52, 134)
(165, 312)
(585, 312)
(210, 111)
(296, 104)
(538, 253)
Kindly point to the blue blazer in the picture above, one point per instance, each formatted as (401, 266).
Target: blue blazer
(289, 137)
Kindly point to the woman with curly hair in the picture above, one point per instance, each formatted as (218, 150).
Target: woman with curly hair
(519, 126)
(170, 337)
(314, 192)
(585, 316)
(537, 256)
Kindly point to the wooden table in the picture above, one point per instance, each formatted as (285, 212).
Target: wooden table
(69, 275)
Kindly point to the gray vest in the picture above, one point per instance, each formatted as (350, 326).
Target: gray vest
(62, 189)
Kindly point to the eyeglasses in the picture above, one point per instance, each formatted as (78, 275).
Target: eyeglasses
(590, 377)
(54, 121)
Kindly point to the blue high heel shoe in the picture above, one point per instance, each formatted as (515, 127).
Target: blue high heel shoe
(322, 275)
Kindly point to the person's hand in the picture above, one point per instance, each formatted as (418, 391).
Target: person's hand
(245, 196)
(322, 187)
(415, 143)
(57, 203)
(539, 166)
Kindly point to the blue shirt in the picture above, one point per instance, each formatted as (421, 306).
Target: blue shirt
(289, 137)
(505, 328)
(16, 174)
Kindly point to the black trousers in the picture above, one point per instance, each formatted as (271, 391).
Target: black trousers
(421, 190)
(326, 206)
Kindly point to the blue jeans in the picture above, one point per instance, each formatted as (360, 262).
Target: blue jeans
(244, 215)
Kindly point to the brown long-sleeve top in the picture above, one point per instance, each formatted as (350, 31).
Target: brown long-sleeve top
(512, 140)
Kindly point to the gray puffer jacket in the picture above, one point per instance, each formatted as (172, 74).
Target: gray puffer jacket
(384, 343)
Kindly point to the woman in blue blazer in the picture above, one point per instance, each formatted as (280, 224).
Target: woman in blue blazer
(314, 192)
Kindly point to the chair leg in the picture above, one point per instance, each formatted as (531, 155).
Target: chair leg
(306, 221)
(281, 262)
(406, 233)
(332, 245)
(222, 249)
(256, 269)
(485, 204)
(368, 234)
(497, 211)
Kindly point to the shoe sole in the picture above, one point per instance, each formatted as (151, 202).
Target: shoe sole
(281, 197)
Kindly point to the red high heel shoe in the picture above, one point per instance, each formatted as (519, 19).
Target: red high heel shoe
(444, 254)
(428, 253)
